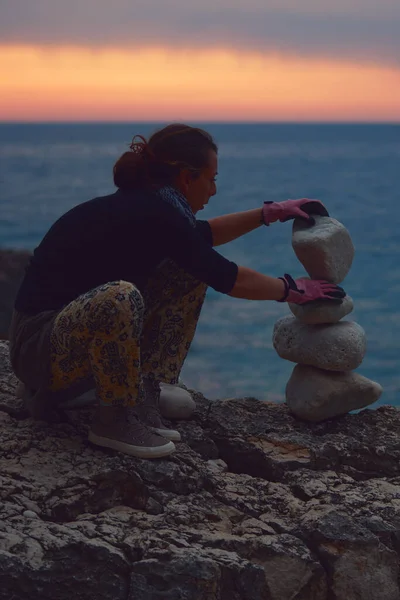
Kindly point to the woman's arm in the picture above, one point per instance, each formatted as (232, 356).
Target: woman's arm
(252, 285)
(229, 227)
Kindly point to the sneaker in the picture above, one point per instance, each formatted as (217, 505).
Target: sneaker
(150, 416)
(149, 411)
(119, 428)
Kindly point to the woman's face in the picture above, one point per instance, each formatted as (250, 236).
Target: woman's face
(198, 191)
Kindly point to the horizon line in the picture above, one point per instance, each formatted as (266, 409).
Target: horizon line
(199, 121)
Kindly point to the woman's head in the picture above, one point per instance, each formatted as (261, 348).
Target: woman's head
(178, 155)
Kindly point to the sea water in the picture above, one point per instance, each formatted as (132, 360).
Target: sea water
(45, 169)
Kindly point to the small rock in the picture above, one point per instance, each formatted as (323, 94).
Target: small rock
(30, 514)
(176, 402)
(218, 465)
(315, 395)
(335, 347)
(325, 249)
(322, 312)
(153, 507)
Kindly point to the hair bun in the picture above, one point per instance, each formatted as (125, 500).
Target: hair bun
(141, 147)
(158, 162)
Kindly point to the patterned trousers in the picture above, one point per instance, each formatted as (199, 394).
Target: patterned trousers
(117, 336)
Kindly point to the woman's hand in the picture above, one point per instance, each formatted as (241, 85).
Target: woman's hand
(293, 209)
(301, 291)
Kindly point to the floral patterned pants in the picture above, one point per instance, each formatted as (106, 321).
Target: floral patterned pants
(118, 336)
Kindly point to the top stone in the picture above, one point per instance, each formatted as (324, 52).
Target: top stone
(325, 249)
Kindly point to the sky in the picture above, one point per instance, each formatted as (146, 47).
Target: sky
(214, 60)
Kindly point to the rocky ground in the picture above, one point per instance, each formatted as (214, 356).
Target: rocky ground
(254, 505)
(12, 265)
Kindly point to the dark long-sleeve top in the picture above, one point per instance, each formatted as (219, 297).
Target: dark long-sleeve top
(118, 237)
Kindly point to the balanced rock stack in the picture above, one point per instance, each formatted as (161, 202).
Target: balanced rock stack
(325, 348)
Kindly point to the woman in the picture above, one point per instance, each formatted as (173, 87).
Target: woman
(113, 292)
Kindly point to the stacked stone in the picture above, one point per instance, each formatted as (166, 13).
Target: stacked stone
(326, 349)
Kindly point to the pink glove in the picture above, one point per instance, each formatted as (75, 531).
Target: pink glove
(292, 209)
(304, 290)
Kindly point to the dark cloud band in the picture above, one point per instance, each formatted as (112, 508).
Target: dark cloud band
(341, 32)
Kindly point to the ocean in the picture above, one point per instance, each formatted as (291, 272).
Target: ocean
(45, 169)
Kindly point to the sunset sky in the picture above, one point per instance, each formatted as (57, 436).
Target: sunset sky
(230, 60)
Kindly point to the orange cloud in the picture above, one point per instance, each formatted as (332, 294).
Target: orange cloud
(67, 83)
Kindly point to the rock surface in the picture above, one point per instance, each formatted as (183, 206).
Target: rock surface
(254, 505)
(325, 249)
(12, 265)
(337, 347)
(315, 395)
(322, 312)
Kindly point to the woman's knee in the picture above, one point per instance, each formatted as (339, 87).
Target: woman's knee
(110, 302)
(125, 291)
(118, 293)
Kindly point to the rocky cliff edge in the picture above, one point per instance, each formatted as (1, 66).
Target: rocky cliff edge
(254, 505)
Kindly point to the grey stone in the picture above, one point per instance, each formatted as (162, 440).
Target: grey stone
(322, 312)
(324, 249)
(176, 403)
(315, 395)
(30, 514)
(335, 347)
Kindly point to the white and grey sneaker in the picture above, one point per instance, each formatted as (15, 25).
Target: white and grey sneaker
(149, 411)
(119, 428)
(150, 416)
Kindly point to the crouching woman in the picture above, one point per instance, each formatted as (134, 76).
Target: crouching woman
(113, 292)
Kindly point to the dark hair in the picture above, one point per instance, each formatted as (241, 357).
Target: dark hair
(159, 160)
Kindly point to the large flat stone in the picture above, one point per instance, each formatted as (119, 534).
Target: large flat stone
(321, 312)
(325, 249)
(335, 347)
(315, 395)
